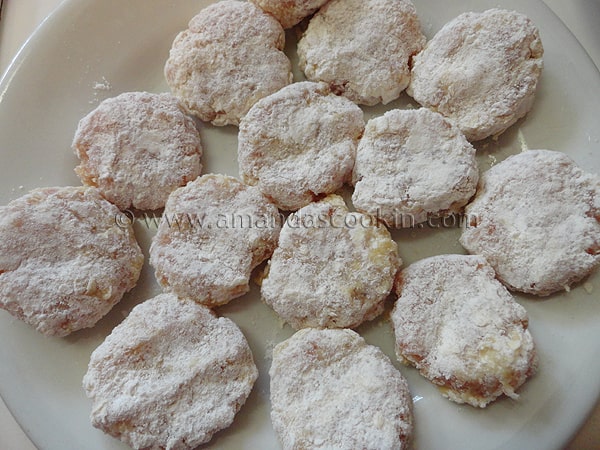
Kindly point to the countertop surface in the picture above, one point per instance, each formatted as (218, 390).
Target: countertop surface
(21, 17)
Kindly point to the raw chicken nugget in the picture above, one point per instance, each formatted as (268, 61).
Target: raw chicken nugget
(411, 165)
(330, 390)
(137, 148)
(332, 268)
(462, 329)
(64, 262)
(481, 70)
(169, 376)
(362, 48)
(299, 144)
(289, 12)
(229, 57)
(535, 218)
(214, 231)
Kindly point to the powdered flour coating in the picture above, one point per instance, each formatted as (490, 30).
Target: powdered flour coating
(411, 165)
(214, 232)
(332, 268)
(299, 144)
(362, 48)
(229, 57)
(462, 329)
(137, 148)
(169, 376)
(64, 262)
(535, 218)
(481, 70)
(290, 12)
(329, 389)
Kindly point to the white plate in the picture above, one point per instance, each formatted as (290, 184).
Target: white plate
(92, 49)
